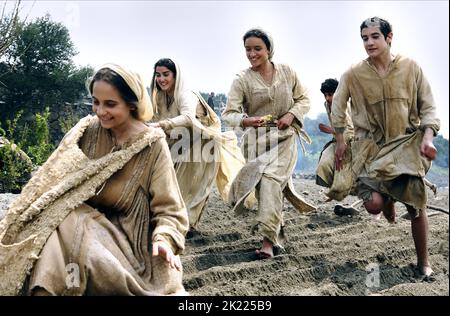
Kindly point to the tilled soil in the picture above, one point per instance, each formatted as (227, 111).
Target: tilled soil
(324, 254)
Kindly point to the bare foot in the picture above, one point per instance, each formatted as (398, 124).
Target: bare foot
(376, 217)
(266, 251)
(263, 254)
(425, 270)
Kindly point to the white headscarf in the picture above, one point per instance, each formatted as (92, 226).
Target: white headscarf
(269, 37)
(136, 84)
(181, 91)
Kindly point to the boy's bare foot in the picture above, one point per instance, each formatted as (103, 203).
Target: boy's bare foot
(376, 217)
(262, 254)
(425, 270)
(266, 251)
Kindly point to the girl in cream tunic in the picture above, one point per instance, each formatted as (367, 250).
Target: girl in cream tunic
(269, 143)
(207, 155)
(103, 215)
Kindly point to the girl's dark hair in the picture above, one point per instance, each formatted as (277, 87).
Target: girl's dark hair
(329, 86)
(259, 34)
(385, 26)
(113, 78)
(164, 62)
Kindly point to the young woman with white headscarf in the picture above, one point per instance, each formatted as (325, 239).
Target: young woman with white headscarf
(207, 154)
(103, 215)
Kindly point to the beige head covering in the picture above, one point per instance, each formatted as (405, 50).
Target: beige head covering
(181, 90)
(269, 37)
(135, 82)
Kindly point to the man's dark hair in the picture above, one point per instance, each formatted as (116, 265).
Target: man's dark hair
(329, 86)
(385, 26)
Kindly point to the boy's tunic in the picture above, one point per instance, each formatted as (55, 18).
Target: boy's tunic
(389, 115)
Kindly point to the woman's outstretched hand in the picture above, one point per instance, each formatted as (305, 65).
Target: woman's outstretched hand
(162, 249)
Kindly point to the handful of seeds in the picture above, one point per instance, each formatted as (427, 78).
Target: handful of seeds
(269, 120)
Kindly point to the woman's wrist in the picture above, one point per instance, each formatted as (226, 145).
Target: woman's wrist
(243, 121)
(429, 134)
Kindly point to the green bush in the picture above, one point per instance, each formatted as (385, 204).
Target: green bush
(36, 140)
(15, 169)
(68, 121)
(28, 147)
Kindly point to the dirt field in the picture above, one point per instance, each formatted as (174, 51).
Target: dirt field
(324, 254)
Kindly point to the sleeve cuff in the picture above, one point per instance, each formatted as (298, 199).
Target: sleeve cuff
(297, 118)
(339, 130)
(165, 125)
(169, 241)
(433, 127)
(244, 116)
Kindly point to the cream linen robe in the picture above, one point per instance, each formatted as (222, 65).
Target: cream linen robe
(389, 115)
(196, 173)
(268, 170)
(103, 246)
(326, 166)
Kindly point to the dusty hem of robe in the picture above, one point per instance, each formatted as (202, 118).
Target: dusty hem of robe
(87, 255)
(390, 172)
(404, 189)
(249, 177)
(325, 170)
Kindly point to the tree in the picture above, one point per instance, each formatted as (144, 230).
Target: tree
(37, 70)
(8, 25)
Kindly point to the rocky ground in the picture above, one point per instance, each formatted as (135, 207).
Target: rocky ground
(324, 254)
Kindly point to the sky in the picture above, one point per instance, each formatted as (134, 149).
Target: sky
(319, 39)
